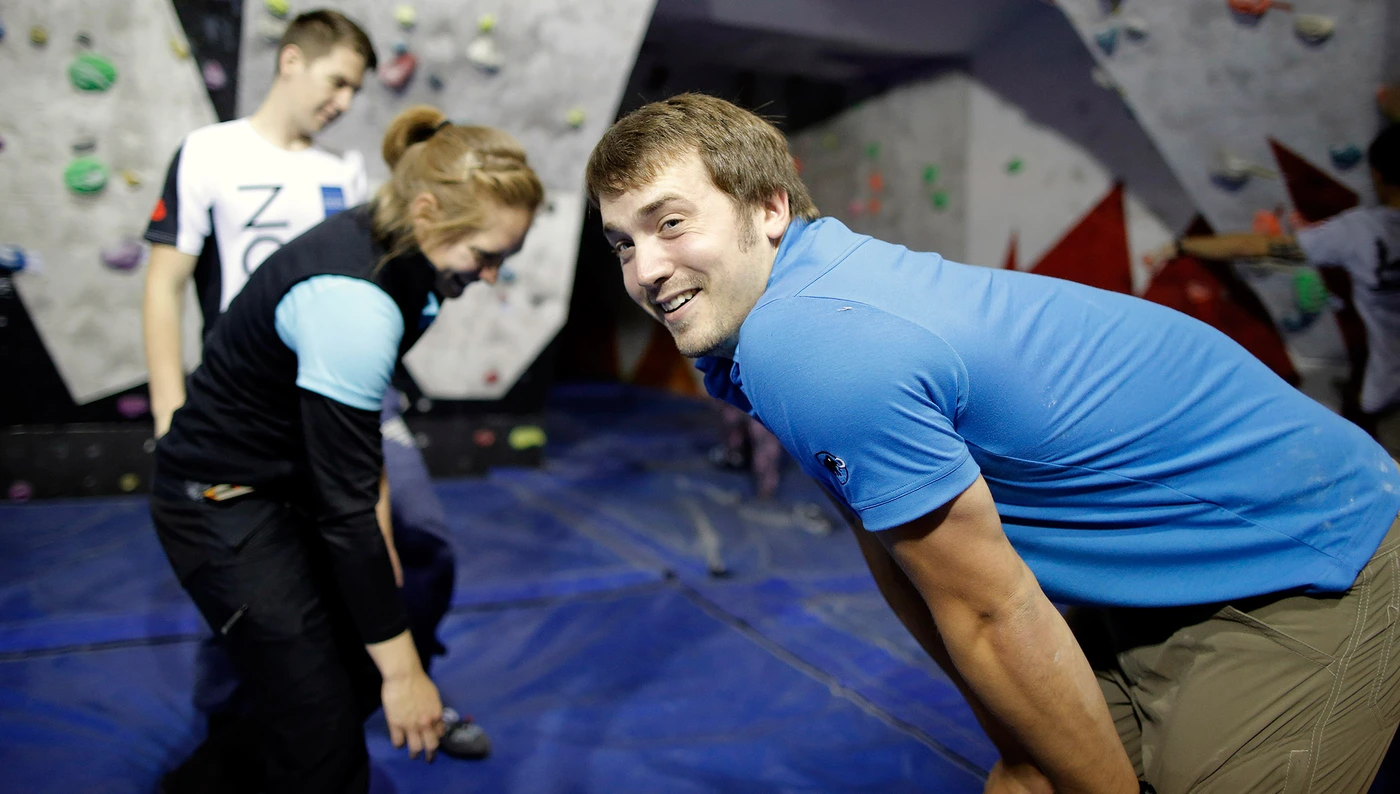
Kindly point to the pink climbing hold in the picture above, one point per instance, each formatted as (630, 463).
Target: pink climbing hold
(133, 405)
(215, 78)
(398, 72)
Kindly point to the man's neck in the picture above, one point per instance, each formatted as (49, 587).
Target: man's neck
(275, 125)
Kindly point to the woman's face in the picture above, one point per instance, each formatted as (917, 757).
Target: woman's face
(478, 254)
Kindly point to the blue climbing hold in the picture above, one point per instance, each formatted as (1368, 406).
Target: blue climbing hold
(12, 258)
(1345, 156)
(1107, 40)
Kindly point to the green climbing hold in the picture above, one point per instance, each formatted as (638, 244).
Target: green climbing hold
(940, 200)
(85, 175)
(91, 72)
(930, 174)
(1309, 291)
(872, 150)
(1014, 166)
(526, 436)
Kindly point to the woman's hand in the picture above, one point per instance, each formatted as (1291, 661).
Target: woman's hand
(414, 713)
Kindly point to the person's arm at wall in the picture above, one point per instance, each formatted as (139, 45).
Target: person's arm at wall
(1221, 247)
(162, 311)
(1011, 647)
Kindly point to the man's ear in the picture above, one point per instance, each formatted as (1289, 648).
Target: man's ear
(423, 208)
(290, 58)
(776, 216)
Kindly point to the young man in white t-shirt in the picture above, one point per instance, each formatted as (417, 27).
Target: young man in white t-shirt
(236, 192)
(1365, 241)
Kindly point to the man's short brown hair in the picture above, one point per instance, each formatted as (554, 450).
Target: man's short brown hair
(745, 155)
(316, 33)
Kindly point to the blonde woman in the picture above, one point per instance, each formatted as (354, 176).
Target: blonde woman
(266, 484)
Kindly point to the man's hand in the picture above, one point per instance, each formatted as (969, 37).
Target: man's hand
(414, 713)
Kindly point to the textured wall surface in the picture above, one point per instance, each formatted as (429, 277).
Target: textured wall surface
(88, 315)
(1205, 82)
(889, 143)
(558, 56)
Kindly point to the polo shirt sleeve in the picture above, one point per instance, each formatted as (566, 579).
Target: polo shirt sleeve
(867, 402)
(346, 333)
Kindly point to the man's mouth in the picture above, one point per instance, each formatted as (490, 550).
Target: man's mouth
(675, 302)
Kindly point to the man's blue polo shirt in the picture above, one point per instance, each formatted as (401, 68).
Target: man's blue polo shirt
(1137, 457)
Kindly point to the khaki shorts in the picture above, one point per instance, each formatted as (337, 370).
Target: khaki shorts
(1282, 693)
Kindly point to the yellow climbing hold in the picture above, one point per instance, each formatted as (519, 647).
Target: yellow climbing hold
(526, 436)
(277, 8)
(486, 23)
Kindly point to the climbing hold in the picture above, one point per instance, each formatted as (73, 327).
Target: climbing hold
(873, 206)
(506, 275)
(85, 143)
(91, 72)
(1229, 180)
(1345, 156)
(131, 178)
(1014, 166)
(20, 491)
(85, 175)
(2, 31)
(856, 208)
(277, 8)
(830, 141)
(484, 437)
(38, 36)
(400, 47)
(575, 117)
(1309, 291)
(133, 405)
(1107, 40)
(129, 482)
(405, 16)
(484, 54)
(179, 47)
(396, 74)
(125, 255)
(423, 405)
(1135, 28)
(526, 436)
(83, 40)
(486, 23)
(877, 182)
(1103, 79)
(1256, 8)
(491, 377)
(13, 258)
(2, 143)
(435, 82)
(270, 29)
(872, 150)
(1267, 224)
(930, 174)
(1314, 28)
(940, 200)
(215, 78)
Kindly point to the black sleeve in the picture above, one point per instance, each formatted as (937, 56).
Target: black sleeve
(345, 459)
(164, 227)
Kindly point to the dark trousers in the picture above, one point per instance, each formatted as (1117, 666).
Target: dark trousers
(264, 584)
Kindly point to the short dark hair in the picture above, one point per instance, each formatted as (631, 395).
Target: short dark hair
(1384, 155)
(317, 32)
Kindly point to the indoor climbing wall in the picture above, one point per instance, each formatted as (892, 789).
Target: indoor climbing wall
(551, 73)
(1262, 110)
(895, 167)
(1224, 86)
(100, 94)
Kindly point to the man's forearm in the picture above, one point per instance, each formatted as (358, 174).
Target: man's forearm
(906, 603)
(161, 318)
(396, 657)
(1241, 246)
(1027, 670)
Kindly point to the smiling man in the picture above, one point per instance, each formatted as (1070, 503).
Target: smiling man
(1007, 439)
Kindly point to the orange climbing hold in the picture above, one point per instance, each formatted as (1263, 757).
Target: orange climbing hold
(1257, 8)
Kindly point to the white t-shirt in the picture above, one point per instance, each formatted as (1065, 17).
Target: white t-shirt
(1366, 241)
(232, 198)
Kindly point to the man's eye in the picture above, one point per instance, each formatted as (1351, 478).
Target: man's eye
(670, 223)
(620, 247)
